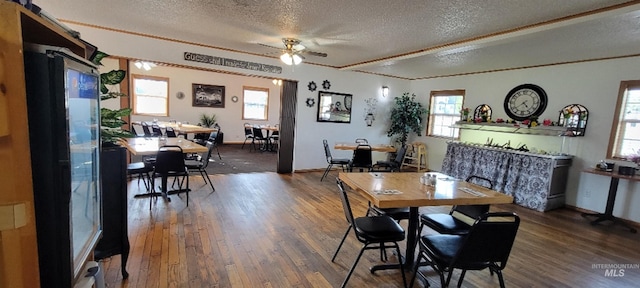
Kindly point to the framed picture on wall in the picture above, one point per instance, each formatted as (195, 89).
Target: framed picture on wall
(205, 95)
(334, 107)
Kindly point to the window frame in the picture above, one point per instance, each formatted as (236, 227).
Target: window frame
(432, 114)
(615, 139)
(134, 97)
(266, 108)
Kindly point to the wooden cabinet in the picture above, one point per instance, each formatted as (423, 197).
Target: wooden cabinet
(115, 239)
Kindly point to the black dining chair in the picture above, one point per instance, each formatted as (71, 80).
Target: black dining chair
(487, 245)
(362, 158)
(460, 218)
(374, 232)
(248, 134)
(171, 133)
(146, 128)
(259, 138)
(393, 165)
(170, 163)
(200, 165)
(343, 162)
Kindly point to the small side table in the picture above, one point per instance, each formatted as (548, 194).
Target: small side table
(613, 190)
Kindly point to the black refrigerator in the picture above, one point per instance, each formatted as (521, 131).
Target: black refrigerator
(63, 113)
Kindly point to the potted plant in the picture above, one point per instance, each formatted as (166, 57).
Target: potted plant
(406, 117)
(111, 120)
(207, 120)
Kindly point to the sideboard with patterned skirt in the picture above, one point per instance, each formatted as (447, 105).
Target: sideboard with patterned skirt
(535, 181)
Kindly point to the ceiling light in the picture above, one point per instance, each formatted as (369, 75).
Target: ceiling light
(144, 65)
(290, 58)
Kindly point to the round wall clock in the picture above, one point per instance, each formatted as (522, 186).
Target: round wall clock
(525, 101)
(234, 99)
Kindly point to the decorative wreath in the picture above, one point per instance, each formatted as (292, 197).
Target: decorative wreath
(312, 86)
(311, 102)
(326, 85)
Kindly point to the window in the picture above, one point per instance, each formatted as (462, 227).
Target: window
(444, 111)
(150, 95)
(626, 123)
(255, 103)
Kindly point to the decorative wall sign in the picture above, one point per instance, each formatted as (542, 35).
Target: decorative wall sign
(208, 96)
(195, 57)
(326, 85)
(312, 86)
(311, 102)
(332, 108)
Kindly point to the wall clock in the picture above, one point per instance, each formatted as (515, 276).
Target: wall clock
(525, 101)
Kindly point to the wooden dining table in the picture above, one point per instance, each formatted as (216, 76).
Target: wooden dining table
(397, 190)
(374, 147)
(151, 145)
(186, 128)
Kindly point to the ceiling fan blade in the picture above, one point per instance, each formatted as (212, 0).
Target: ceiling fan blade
(314, 53)
(269, 46)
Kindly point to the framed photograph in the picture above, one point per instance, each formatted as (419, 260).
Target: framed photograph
(334, 107)
(208, 96)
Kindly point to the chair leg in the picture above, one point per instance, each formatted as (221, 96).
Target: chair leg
(353, 267)
(326, 171)
(446, 284)
(404, 277)
(218, 151)
(341, 242)
(209, 179)
(461, 278)
(500, 278)
(415, 270)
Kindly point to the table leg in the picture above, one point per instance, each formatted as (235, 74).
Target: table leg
(608, 212)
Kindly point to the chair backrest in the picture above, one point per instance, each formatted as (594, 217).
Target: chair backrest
(257, 133)
(469, 213)
(362, 156)
(490, 240)
(146, 129)
(479, 180)
(207, 155)
(346, 207)
(213, 135)
(170, 132)
(156, 130)
(170, 158)
(327, 151)
(400, 154)
(136, 129)
(248, 131)
(362, 141)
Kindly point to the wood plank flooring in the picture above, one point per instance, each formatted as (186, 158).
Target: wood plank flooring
(272, 230)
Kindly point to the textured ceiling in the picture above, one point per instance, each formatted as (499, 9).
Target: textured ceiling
(411, 39)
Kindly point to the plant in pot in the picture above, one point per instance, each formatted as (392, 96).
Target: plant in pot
(406, 117)
(207, 120)
(111, 120)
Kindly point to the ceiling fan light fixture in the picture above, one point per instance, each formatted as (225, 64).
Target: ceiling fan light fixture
(286, 58)
(296, 59)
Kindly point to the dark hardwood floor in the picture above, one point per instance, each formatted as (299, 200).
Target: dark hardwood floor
(272, 230)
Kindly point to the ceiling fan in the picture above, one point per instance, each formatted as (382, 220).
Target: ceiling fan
(293, 50)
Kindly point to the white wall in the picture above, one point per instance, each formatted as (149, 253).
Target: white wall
(593, 84)
(308, 152)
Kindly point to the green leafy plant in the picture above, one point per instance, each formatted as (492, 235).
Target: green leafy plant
(111, 120)
(406, 117)
(207, 120)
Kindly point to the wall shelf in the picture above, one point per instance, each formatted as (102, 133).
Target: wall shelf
(517, 129)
